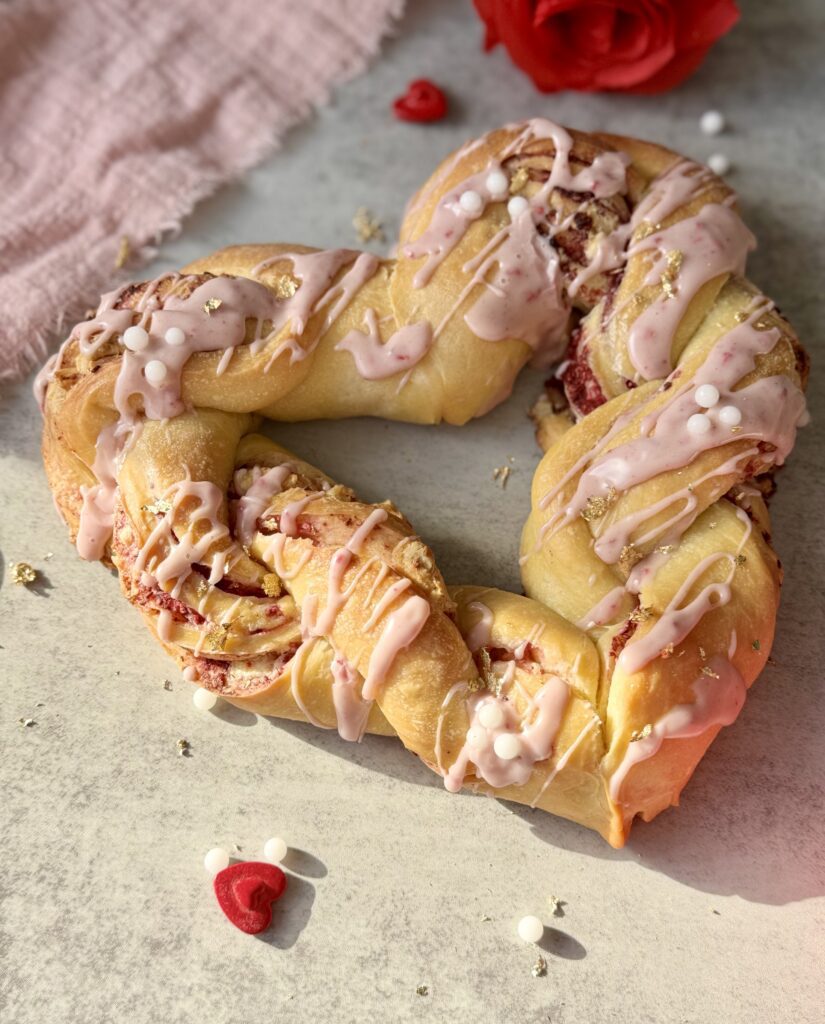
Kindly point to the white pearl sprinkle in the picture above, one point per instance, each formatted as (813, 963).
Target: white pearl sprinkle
(491, 715)
(275, 850)
(155, 371)
(712, 122)
(135, 338)
(699, 423)
(730, 415)
(507, 746)
(517, 206)
(204, 700)
(216, 860)
(476, 737)
(471, 201)
(719, 163)
(497, 183)
(530, 929)
(707, 396)
(175, 336)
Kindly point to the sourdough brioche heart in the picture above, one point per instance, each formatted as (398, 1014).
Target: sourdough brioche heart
(423, 101)
(246, 893)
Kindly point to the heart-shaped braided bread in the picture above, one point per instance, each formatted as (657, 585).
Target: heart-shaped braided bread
(651, 585)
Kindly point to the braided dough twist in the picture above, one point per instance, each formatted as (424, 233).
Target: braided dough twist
(651, 585)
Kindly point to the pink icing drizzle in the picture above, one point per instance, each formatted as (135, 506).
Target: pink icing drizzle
(374, 359)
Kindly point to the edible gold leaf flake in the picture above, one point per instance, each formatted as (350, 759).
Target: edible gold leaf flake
(22, 573)
(123, 252)
(271, 523)
(211, 305)
(501, 473)
(702, 654)
(488, 677)
(641, 734)
(422, 990)
(367, 226)
(159, 507)
(756, 645)
(519, 180)
(706, 671)
(664, 549)
(628, 557)
(216, 637)
(667, 652)
(597, 505)
(271, 585)
(740, 316)
(740, 559)
(673, 259)
(285, 286)
(539, 968)
(184, 747)
(641, 614)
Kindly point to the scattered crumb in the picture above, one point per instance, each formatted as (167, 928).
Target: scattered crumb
(271, 584)
(519, 180)
(502, 473)
(740, 559)
(557, 906)
(26, 723)
(367, 226)
(184, 748)
(422, 990)
(756, 645)
(715, 912)
(159, 507)
(539, 968)
(485, 918)
(22, 573)
(48, 555)
(167, 684)
(124, 250)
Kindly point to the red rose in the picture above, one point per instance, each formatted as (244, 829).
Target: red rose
(634, 45)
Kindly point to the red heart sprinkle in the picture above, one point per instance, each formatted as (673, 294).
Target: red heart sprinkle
(423, 101)
(246, 892)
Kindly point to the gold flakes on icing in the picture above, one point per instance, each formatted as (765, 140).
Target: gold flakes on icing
(284, 286)
(664, 549)
(756, 645)
(489, 679)
(519, 180)
(422, 990)
(628, 557)
(159, 507)
(740, 316)
(641, 734)
(367, 226)
(539, 968)
(707, 671)
(216, 637)
(502, 473)
(124, 251)
(597, 505)
(667, 652)
(736, 430)
(22, 573)
(211, 305)
(271, 584)
(674, 260)
(184, 748)
(641, 614)
(702, 654)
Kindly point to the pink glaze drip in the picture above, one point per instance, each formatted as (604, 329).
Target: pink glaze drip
(603, 611)
(391, 595)
(376, 359)
(97, 511)
(351, 711)
(479, 634)
(718, 702)
(401, 629)
(288, 520)
(537, 737)
(712, 243)
(562, 762)
(257, 500)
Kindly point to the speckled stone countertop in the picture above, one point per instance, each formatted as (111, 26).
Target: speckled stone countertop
(712, 913)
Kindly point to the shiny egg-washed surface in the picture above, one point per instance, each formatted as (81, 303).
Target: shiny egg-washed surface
(651, 587)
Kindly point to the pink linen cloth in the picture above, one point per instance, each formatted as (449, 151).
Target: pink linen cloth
(117, 116)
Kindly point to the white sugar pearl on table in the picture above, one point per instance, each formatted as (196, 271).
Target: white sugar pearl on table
(730, 415)
(204, 700)
(490, 715)
(517, 206)
(497, 183)
(275, 850)
(530, 929)
(706, 395)
(719, 163)
(216, 860)
(471, 201)
(174, 336)
(135, 338)
(507, 746)
(155, 371)
(712, 122)
(699, 424)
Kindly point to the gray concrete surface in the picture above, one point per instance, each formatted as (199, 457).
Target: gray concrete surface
(712, 913)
